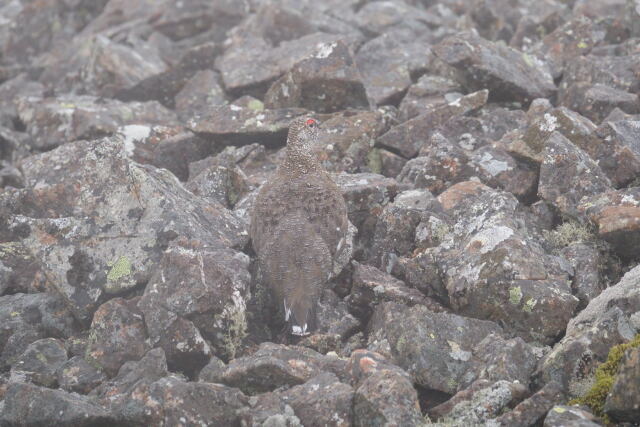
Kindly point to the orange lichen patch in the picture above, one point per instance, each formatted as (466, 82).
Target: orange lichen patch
(618, 218)
(459, 192)
(367, 364)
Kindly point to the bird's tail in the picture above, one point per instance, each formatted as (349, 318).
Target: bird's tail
(301, 320)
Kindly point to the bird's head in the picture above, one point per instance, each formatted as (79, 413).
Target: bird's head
(303, 133)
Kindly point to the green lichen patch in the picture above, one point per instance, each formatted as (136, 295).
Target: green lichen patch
(374, 161)
(529, 304)
(604, 379)
(121, 268)
(256, 105)
(515, 295)
(569, 232)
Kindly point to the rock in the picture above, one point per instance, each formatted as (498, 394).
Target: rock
(574, 38)
(615, 214)
(435, 348)
(568, 174)
(275, 365)
(197, 292)
(407, 138)
(614, 71)
(533, 409)
(480, 402)
(605, 322)
(117, 335)
(395, 232)
(623, 403)
(345, 142)
(200, 91)
(120, 227)
(251, 65)
(495, 267)
(508, 74)
(618, 154)
(597, 101)
(53, 121)
(19, 86)
(27, 404)
(39, 362)
(421, 270)
(570, 416)
(323, 400)
(222, 184)
(77, 375)
(585, 260)
(172, 148)
(390, 164)
(334, 317)
(326, 81)
(372, 287)
(428, 92)
(378, 17)
(232, 124)
(384, 393)
(20, 272)
(387, 64)
(212, 372)
(26, 318)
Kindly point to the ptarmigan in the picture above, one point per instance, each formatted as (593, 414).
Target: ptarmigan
(299, 228)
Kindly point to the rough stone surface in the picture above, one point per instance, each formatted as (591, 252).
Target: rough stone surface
(79, 376)
(39, 362)
(570, 416)
(622, 403)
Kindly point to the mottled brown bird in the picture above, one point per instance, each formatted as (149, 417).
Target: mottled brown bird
(298, 228)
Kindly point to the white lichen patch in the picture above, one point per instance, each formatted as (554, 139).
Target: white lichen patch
(489, 238)
(133, 134)
(493, 165)
(549, 124)
(325, 49)
(458, 353)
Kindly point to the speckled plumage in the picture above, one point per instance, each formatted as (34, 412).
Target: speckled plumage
(298, 228)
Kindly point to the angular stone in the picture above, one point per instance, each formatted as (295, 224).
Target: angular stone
(20, 272)
(27, 404)
(435, 348)
(232, 124)
(425, 94)
(77, 375)
(597, 101)
(372, 287)
(53, 121)
(219, 183)
(508, 74)
(585, 260)
(197, 290)
(605, 322)
(568, 174)
(616, 215)
(570, 416)
(326, 81)
(532, 410)
(384, 393)
(39, 362)
(26, 318)
(378, 17)
(117, 335)
(275, 365)
(615, 71)
(387, 63)
(495, 266)
(618, 154)
(623, 403)
(212, 372)
(390, 164)
(19, 86)
(200, 91)
(407, 138)
(480, 402)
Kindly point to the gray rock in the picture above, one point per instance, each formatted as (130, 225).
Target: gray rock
(495, 267)
(480, 402)
(26, 318)
(407, 138)
(585, 260)
(597, 101)
(605, 322)
(117, 335)
(618, 154)
(19, 270)
(198, 292)
(623, 403)
(212, 372)
(428, 92)
(79, 376)
(53, 121)
(275, 365)
(326, 81)
(200, 91)
(615, 71)
(435, 348)
(570, 416)
(224, 185)
(39, 362)
(568, 174)
(19, 86)
(508, 74)
(378, 17)
(30, 405)
(384, 393)
(532, 410)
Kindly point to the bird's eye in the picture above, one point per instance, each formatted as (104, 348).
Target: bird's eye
(311, 123)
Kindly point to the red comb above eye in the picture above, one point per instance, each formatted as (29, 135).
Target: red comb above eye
(310, 121)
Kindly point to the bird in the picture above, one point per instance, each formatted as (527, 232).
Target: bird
(298, 228)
